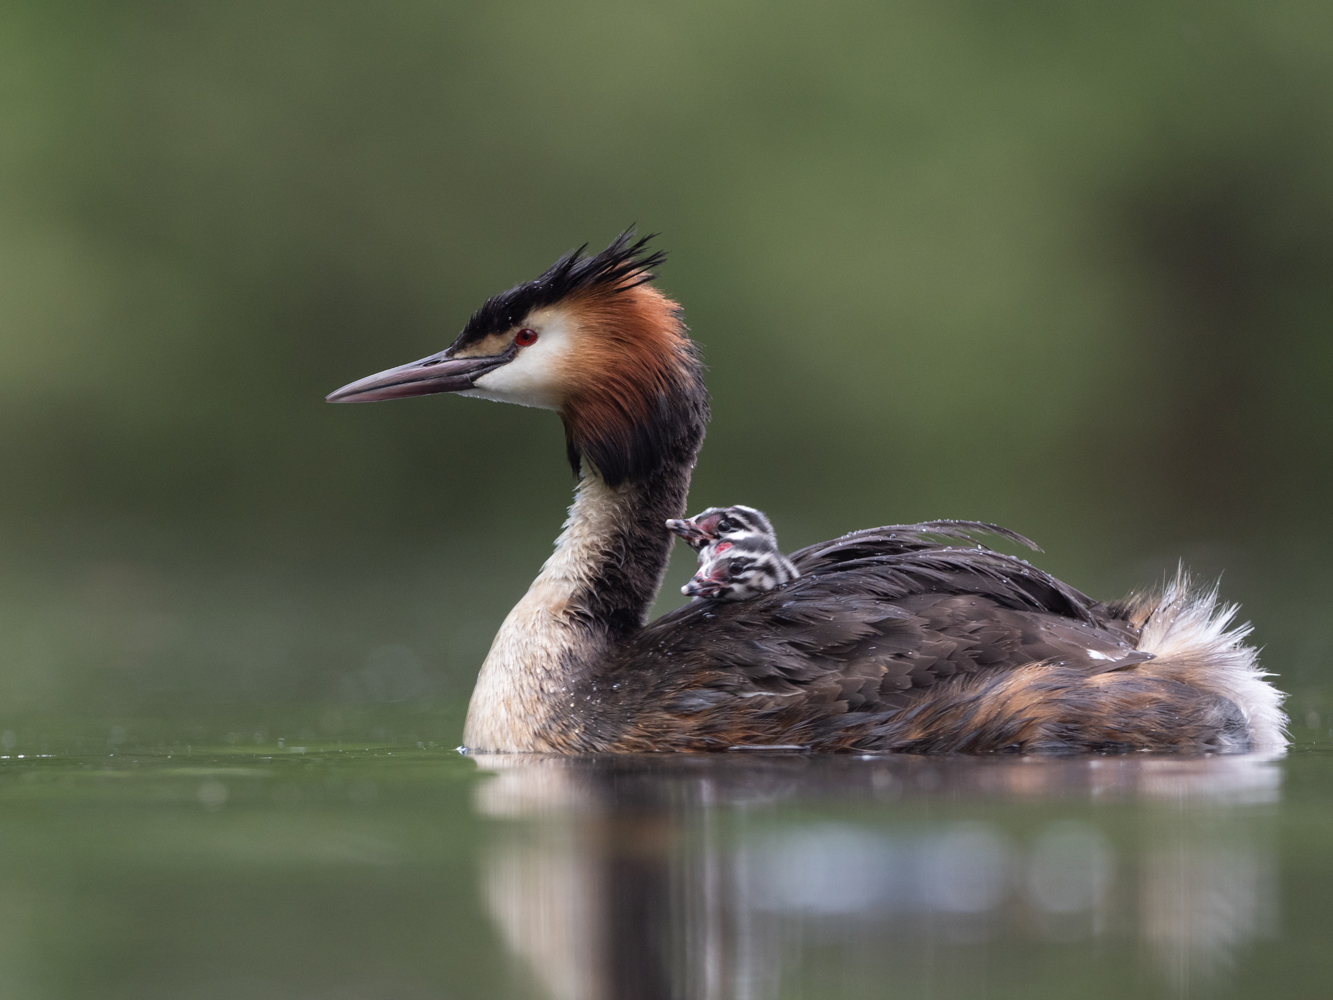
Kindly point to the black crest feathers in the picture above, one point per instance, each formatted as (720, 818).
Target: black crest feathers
(624, 264)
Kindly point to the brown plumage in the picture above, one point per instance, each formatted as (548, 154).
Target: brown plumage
(633, 360)
(908, 638)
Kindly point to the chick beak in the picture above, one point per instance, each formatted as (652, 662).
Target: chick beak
(437, 373)
(688, 531)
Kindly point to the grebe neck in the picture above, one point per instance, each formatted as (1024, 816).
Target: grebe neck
(594, 590)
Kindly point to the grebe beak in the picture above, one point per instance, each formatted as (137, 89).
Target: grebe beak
(437, 373)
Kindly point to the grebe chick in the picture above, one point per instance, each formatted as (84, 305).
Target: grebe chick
(902, 638)
(703, 528)
(738, 551)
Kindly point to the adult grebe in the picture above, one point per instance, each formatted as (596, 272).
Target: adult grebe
(893, 639)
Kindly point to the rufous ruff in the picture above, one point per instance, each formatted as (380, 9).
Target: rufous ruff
(902, 638)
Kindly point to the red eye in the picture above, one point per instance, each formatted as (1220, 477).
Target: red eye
(526, 337)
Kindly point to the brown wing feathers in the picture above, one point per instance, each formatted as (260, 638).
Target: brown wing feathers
(843, 657)
(897, 538)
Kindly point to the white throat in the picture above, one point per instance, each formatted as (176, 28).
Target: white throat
(536, 375)
(535, 656)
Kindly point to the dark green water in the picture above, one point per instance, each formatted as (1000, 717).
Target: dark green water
(349, 871)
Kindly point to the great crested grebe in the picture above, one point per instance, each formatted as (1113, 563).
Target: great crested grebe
(893, 639)
(738, 551)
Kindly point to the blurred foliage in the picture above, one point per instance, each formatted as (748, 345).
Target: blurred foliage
(1062, 266)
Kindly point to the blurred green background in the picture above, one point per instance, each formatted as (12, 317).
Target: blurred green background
(1062, 266)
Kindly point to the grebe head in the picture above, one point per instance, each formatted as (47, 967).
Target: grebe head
(738, 571)
(591, 339)
(732, 523)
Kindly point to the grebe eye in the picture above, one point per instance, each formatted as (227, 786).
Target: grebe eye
(526, 337)
(726, 524)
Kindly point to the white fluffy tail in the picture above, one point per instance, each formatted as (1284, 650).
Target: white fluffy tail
(1191, 635)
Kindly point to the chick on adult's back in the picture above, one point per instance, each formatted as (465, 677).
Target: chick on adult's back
(738, 552)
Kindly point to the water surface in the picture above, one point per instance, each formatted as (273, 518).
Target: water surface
(409, 871)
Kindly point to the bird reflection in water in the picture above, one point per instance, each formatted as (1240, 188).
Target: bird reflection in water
(747, 877)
